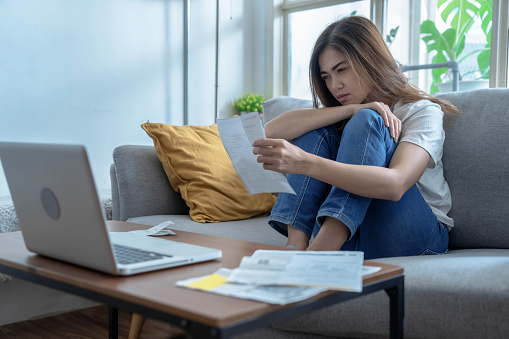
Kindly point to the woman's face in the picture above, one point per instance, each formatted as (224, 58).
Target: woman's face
(341, 80)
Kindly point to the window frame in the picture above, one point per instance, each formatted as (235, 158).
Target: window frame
(499, 63)
(378, 14)
(279, 48)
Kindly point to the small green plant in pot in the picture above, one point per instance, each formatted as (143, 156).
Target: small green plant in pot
(449, 45)
(249, 103)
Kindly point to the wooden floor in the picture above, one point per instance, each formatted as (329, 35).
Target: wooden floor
(84, 324)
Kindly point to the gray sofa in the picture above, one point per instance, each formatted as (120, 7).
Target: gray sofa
(462, 294)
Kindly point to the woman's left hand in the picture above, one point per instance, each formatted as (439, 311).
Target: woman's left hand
(391, 121)
(281, 156)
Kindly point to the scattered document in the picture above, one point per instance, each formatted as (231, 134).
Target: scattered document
(282, 295)
(273, 294)
(334, 270)
(156, 231)
(238, 135)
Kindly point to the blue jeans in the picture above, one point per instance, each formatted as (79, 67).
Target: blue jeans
(379, 228)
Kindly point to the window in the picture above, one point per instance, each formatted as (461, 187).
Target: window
(500, 44)
(478, 58)
(430, 21)
(303, 30)
(304, 22)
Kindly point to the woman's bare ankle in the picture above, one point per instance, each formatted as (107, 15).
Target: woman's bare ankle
(331, 236)
(297, 239)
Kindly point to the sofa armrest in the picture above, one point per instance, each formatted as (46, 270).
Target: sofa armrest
(140, 186)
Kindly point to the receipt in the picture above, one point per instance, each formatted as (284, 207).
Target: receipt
(158, 230)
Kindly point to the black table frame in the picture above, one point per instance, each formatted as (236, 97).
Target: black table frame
(393, 286)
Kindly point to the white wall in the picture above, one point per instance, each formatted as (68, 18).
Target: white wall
(92, 71)
(242, 59)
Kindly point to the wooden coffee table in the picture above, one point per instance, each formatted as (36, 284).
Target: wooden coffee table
(202, 315)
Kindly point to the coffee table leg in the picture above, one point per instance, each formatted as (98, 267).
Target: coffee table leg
(397, 311)
(113, 322)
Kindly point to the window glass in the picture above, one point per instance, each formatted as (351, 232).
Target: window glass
(403, 21)
(304, 27)
(398, 23)
(420, 28)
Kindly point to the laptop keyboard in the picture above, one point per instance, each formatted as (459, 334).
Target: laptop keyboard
(129, 255)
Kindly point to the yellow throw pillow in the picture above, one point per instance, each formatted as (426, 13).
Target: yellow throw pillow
(198, 167)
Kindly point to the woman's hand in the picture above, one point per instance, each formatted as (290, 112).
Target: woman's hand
(391, 121)
(281, 156)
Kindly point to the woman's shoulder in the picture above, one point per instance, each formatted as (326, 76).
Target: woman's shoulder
(405, 110)
(416, 105)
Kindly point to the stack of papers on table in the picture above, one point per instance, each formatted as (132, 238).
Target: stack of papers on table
(282, 277)
(282, 295)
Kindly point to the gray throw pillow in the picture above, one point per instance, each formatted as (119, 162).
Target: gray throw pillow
(275, 106)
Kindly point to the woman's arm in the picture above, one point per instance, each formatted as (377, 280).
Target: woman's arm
(293, 124)
(406, 167)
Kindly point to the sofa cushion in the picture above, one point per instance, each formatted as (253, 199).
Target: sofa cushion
(198, 167)
(476, 166)
(471, 283)
(253, 229)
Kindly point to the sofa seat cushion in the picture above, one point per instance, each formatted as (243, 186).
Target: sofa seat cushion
(472, 285)
(254, 229)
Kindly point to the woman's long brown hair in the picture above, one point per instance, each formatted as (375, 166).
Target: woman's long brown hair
(362, 44)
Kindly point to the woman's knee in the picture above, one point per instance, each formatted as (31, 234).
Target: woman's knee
(365, 118)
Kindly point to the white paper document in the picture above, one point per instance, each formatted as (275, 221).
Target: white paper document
(335, 270)
(275, 294)
(282, 295)
(156, 231)
(238, 135)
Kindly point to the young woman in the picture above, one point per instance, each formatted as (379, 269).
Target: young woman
(366, 162)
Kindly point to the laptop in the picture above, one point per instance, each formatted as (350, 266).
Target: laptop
(61, 216)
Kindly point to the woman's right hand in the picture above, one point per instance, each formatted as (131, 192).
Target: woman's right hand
(390, 120)
(281, 156)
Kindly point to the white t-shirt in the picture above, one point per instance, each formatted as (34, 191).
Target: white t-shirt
(421, 124)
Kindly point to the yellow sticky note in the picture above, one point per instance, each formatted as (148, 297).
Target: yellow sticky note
(209, 283)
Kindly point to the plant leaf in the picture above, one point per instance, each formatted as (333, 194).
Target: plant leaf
(455, 46)
(483, 60)
(436, 41)
(441, 44)
(460, 14)
(485, 13)
(461, 10)
(463, 14)
(438, 72)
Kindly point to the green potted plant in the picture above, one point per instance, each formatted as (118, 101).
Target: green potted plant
(449, 45)
(249, 103)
